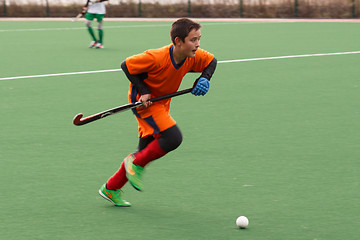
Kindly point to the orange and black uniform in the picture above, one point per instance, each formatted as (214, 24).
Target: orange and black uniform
(155, 72)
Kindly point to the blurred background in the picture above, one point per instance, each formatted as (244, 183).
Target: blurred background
(190, 8)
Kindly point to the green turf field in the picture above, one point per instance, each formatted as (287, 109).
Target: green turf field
(274, 140)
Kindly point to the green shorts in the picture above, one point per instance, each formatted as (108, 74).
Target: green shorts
(91, 16)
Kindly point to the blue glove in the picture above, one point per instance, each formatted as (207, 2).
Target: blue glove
(201, 87)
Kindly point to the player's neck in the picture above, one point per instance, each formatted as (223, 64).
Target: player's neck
(178, 56)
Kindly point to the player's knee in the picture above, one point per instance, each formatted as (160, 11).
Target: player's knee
(100, 25)
(170, 139)
(175, 142)
(171, 143)
(88, 23)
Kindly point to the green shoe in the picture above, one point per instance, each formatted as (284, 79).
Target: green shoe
(113, 196)
(133, 172)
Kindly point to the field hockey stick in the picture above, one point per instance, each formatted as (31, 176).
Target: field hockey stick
(77, 17)
(78, 120)
(80, 15)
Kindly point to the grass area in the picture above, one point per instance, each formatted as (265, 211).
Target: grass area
(276, 140)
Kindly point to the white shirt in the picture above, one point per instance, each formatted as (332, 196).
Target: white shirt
(97, 8)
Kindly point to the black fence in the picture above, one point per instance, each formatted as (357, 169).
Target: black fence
(191, 8)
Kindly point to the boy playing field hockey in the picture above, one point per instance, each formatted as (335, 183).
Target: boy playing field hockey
(154, 73)
(95, 9)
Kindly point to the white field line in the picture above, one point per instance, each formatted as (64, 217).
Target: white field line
(61, 74)
(78, 28)
(292, 56)
(224, 61)
(116, 27)
(205, 21)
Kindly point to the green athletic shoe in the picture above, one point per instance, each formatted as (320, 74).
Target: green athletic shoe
(133, 172)
(114, 196)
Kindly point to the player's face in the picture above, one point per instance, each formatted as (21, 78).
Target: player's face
(191, 43)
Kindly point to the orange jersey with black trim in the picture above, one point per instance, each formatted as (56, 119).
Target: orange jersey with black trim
(164, 76)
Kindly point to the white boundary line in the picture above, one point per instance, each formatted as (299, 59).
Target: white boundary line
(77, 28)
(61, 74)
(293, 56)
(117, 27)
(207, 21)
(224, 61)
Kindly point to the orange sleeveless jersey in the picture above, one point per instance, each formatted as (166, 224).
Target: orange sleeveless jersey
(164, 77)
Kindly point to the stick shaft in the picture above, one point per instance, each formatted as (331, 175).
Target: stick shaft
(78, 120)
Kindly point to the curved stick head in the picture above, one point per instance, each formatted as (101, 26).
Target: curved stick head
(77, 119)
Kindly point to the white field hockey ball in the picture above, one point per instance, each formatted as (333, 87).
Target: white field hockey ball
(242, 222)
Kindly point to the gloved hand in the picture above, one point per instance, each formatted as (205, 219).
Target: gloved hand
(201, 87)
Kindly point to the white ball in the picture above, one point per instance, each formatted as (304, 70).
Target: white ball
(242, 222)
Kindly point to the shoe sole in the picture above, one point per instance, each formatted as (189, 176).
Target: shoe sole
(105, 197)
(136, 188)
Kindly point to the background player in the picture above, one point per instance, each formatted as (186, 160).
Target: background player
(154, 73)
(95, 9)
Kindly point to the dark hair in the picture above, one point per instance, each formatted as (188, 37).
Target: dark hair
(181, 28)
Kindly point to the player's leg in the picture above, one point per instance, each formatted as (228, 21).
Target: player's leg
(152, 120)
(89, 18)
(118, 180)
(168, 141)
(143, 142)
(151, 147)
(100, 21)
(111, 189)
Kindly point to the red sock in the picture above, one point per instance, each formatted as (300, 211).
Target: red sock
(118, 180)
(152, 152)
